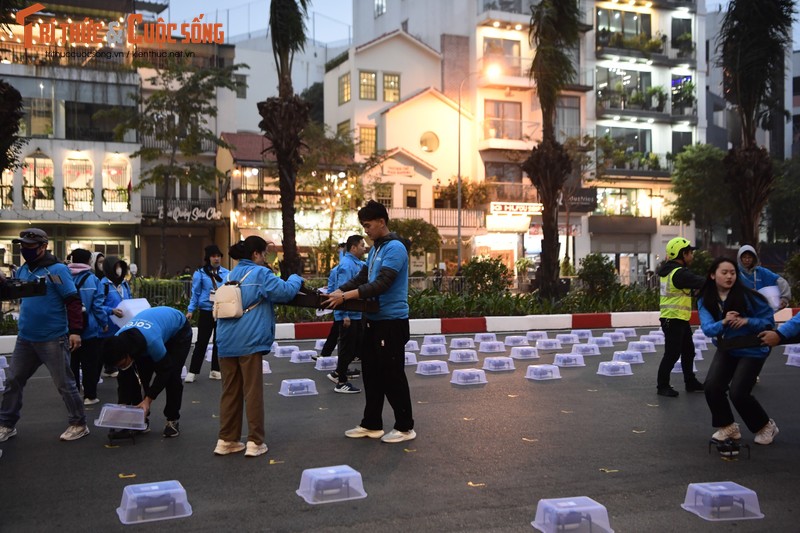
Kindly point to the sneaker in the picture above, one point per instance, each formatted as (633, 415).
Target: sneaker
(399, 436)
(333, 376)
(226, 447)
(766, 434)
(108, 373)
(215, 374)
(75, 432)
(346, 388)
(172, 429)
(90, 401)
(353, 374)
(254, 450)
(189, 377)
(146, 427)
(359, 432)
(728, 432)
(6, 433)
(667, 391)
(694, 386)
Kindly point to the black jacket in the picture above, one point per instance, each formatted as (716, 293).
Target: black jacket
(683, 278)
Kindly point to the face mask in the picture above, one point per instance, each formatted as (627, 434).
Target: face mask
(119, 271)
(29, 254)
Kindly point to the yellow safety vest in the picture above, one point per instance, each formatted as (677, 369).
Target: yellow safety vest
(675, 302)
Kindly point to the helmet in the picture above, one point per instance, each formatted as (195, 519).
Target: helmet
(676, 245)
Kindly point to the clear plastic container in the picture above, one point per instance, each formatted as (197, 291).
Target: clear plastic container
(468, 376)
(579, 514)
(463, 356)
(265, 369)
(568, 360)
(485, 337)
(700, 345)
(412, 346)
(331, 484)
(722, 500)
(567, 338)
(286, 351)
(433, 349)
(492, 347)
(298, 387)
(548, 344)
(655, 339)
(3, 361)
(121, 417)
(432, 368)
(678, 368)
(582, 334)
(184, 373)
(3, 374)
(498, 364)
(524, 352)
(789, 349)
(534, 336)
(148, 502)
(411, 358)
(210, 352)
(614, 368)
(462, 342)
(516, 340)
(793, 360)
(600, 342)
(319, 344)
(303, 356)
(615, 336)
(629, 356)
(698, 355)
(628, 332)
(327, 363)
(656, 332)
(586, 349)
(434, 339)
(642, 346)
(274, 347)
(542, 372)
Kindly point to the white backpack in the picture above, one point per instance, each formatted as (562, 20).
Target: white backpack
(228, 300)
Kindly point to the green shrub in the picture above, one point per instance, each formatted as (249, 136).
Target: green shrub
(597, 273)
(792, 271)
(8, 326)
(701, 262)
(484, 275)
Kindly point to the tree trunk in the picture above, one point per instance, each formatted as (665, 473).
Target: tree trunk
(750, 176)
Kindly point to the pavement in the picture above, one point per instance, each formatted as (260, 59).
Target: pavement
(483, 458)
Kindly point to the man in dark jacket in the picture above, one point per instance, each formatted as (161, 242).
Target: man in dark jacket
(677, 283)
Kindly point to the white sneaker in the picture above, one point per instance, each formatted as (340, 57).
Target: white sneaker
(359, 432)
(254, 450)
(6, 433)
(399, 436)
(226, 447)
(91, 401)
(728, 432)
(215, 374)
(75, 432)
(189, 378)
(767, 434)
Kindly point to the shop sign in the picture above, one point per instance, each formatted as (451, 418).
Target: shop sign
(515, 208)
(190, 214)
(398, 170)
(581, 201)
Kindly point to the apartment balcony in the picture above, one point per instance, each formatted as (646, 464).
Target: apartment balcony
(442, 218)
(505, 134)
(583, 81)
(511, 192)
(6, 197)
(628, 163)
(39, 198)
(78, 199)
(646, 49)
(116, 200)
(643, 108)
(265, 199)
(150, 141)
(107, 59)
(512, 73)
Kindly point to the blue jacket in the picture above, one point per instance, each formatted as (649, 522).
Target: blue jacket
(760, 317)
(348, 268)
(254, 332)
(112, 297)
(92, 297)
(44, 318)
(202, 285)
(790, 329)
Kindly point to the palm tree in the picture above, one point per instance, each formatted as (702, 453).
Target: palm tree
(286, 116)
(753, 41)
(554, 32)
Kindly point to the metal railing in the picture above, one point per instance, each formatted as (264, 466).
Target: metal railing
(441, 217)
(6, 196)
(507, 129)
(150, 141)
(38, 198)
(78, 199)
(116, 200)
(512, 192)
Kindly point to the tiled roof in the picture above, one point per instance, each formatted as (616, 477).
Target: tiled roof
(248, 147)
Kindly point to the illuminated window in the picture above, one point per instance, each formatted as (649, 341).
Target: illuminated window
(411, 194)
(37, 182)
(344, 88)
(78, 185)
(116, 182)
(380, 7)
(391, 87)
(367, 89)
(383, 194)
(367, 142)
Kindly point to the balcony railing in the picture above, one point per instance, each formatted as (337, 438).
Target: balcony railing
(152, 206)
(441, 218)
(6, 196)
(116, 200)
(509, 65)
(51, 56)
(149, 141)
(519, 7)
(38, 198)
(630, 162)
(644, 45)
(513, 130)
(78, 199)
(512, 192)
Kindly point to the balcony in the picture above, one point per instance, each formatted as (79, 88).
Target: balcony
(78, 199)
(441, 218)
(513, 72)
(254, 199)
(511, 192)
(626, 162)
(657, 49)
(150, 141)
(6, 197)
(107, 59)
(39, 197)
(506, 134)
(116, 200)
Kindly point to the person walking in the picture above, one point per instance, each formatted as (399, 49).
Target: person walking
(205, 280)
(333, 335)
(677, 283)
(754, 276)
(50, 327)
(385, 277)
(150, 351)
(729, 311)
(242, 342)
(87, 359)
(349, 321)
(115, 290)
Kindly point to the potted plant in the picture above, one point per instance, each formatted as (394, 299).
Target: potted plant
(684, 97)
(657, 97)
(684, 44)
(653, 161)
(636, 100)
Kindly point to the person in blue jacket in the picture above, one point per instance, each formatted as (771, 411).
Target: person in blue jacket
(757, 277)
(50, 328)
(349, 321)
(385, 277)
(204, 281)
(88, 357)
(150, 351)
(115, 289)
(728, 310)
(242, 341)
(333, 334)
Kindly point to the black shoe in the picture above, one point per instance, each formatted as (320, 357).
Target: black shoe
(694, 386)
(346, 388)
(353, 374)
(333, 376)
(172, 429)
(667, 391)
(118, 434)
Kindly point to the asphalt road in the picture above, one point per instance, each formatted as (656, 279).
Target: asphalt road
(483, 458)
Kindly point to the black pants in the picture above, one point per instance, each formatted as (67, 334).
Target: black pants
(734, 377)
(678, 344)
(349, 344)
(333, 338)
(383, 370)
(206, 326)
(134, 383)
(88, 358)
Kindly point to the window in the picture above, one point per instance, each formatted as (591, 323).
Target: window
(503, 120)
(343, 129)
(78, 185)
(429, 142)
(634, 202)
(411, 194)
(84, 124)
(241, 90)
(344, 88)
(503, 172)
(568, 117)
(614, 26)
(383, 194)
(367, 142)
(37, 182)
(624, 89)
(116, 178)
(380, 7)
(391, 87)
(502, 52)
(680, 140)
(38, 120)
(366, 85)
